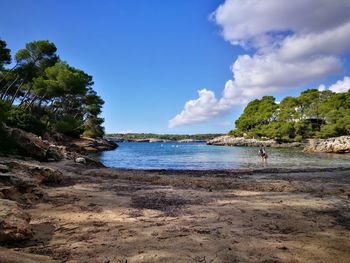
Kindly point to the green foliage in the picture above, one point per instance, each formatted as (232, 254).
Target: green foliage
(257, 112)
(48, 94)
(7, 144)
(5, 54)
(19, 118)
(236, 133)
(312, 114)
(69, 126)
(5, 107)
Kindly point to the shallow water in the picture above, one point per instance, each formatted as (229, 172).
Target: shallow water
(174, 155)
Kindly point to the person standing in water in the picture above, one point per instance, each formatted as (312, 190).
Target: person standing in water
(263, 154)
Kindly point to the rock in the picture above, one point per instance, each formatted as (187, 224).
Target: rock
(239, 141)
(331, 145)
(190, 140)
(40, 173)
(88, 145)
(8, 192)
(30, 144)
(55, 153)
(4, 168)
(80, 160)
(22, 184)
(157, 140)
(33, 146)
(20, 188)
(10, 256)
(228, 140)
(14, 222)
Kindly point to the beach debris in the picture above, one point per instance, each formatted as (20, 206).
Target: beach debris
(80, 160)
(160, 201)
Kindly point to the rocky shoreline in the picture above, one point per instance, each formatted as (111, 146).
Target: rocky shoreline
(331, 145)
(58, 205)
(228, 140)
(56, 147)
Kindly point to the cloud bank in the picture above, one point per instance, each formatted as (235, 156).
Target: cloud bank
(291, 43)
(339, 86)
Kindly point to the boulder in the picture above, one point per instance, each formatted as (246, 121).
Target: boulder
(42, 174)
(89, 145)
(55, 153)
(30, 144)
(331, 145)
(14, 222)
(22, 184)
(21, 188)
(33, 146)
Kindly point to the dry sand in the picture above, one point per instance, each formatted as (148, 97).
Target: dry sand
(110, 215)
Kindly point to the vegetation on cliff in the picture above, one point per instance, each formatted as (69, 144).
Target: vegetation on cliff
(40, 93)
(313, 114)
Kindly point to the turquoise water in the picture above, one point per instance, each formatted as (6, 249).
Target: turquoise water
(174, 155)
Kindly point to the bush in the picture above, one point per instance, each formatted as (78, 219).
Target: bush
(298, 138)
(235, 133)
(21, 119)
(69, 126)
(4, 110)
(7, 144)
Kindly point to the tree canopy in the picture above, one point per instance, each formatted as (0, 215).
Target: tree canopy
(312, 114)
(41, 93)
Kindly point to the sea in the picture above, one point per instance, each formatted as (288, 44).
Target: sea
(199, 155)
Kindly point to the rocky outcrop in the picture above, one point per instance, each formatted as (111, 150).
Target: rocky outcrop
(331, 145)
(56, 147)
(190, 140)
(33, 146)
(37, 172)
(228, 140)
(88, 145)
(14, 222)
(157, 140)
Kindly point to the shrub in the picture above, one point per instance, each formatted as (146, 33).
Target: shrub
(21, 119)
(69, 126)
(235, 133)
(7, 144)
(4, 110)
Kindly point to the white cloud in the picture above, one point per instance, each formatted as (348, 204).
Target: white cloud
(322, 87)
(339, 86)
(245, 20)
(294, 42)
(196, 111)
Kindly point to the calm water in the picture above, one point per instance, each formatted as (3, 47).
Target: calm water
(174, 155)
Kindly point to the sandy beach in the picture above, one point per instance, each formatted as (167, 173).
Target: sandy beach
(263, 215)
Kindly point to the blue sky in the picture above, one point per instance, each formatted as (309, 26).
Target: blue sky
(147, 58)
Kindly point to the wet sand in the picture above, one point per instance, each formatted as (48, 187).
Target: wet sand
(268, 215)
